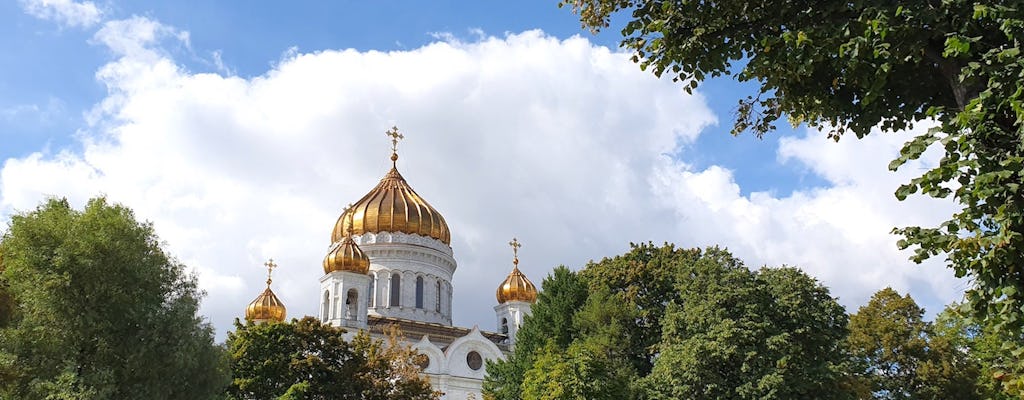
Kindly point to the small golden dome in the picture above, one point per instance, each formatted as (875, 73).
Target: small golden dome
(346, 256)
(516, 286)
(392, 206)
(266, 307)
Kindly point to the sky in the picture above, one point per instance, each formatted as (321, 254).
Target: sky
(241, 132)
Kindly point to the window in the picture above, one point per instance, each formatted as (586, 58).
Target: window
(504, 326)
(396, 290)
(352, 304)
(373, 296)
(474, 360)
(419, 292)
(437, 304)
(325, 312)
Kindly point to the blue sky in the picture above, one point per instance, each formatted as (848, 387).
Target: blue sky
(241, 130)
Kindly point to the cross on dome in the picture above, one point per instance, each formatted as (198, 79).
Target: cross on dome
(395, 137)
(270, 269)
(515, 251)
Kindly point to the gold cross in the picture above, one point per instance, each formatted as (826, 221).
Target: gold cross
(395, 137)
(270, 268)
(515, 251)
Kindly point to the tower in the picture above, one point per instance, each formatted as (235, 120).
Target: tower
(266, 307)
(345, 286)
(515, 297)
(409, 247)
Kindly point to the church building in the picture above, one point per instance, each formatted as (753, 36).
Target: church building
(391, 263)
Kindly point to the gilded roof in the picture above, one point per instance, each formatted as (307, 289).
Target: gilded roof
(392, 206)
(346, 256)
(516, 287)
(265, 307)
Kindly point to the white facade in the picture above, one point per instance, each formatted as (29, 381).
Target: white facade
(409, 283)
(510, 318)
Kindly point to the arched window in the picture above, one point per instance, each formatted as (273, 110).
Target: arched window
(326, 311)
(419, 292)
(437, 303)
(371, 293)
(352, 304)
(504, 326)
(396, 290)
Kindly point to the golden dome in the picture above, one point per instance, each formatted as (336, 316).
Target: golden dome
(392, 206)
(516, 286)
(266, 307)
(346, 256)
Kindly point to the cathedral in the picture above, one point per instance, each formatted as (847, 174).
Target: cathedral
(390, 263)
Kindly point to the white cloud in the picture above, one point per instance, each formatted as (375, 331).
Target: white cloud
(558, 142)
(64, 12)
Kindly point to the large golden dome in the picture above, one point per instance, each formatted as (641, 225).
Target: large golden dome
(346, 256)
(266, 307)
(392, 206)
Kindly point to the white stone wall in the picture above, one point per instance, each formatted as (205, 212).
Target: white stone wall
(411, 257)
(449, 370)
(334, 296)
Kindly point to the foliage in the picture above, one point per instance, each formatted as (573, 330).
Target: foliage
(96, 310)
(898, 356)
(853, 67)
(980, 345)
(306, 359)
(581, 372)
(562, 293)
(737, 334)
(663, 322)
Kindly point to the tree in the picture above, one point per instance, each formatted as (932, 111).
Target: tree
(736, 334)
(852, 67)
(99, 311)
(978, 350)
(899, 357)
(643, 280)
(580, 373)
(306, 359)
(562, 293)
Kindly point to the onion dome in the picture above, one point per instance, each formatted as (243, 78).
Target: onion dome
(266, 306)
(516, 286)
(392, 206)
(346, 256)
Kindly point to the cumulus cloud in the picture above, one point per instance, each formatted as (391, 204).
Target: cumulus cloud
(64, 12)
(562, 143)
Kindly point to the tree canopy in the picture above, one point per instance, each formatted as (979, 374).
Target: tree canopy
(897, 355)
(855, 67)
(306, 359)
(663, 322)
(95, 309)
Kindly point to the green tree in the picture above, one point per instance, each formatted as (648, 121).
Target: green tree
(306, 359)
(977, 348)
(643, 279)
(99, 311)
(736, 334)
(562, 293)
(580, 373)
(851, 67)
(898, 356)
